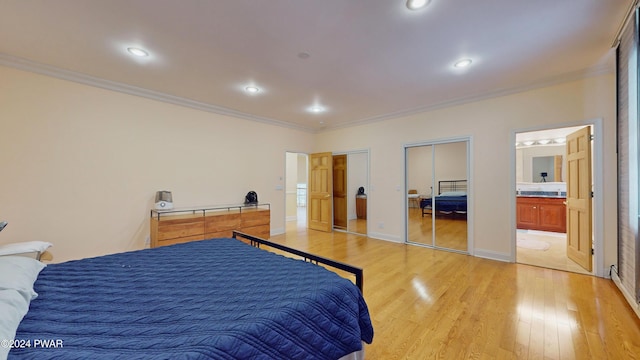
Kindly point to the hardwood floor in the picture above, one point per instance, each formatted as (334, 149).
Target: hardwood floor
(555, 257)
(430, 304)
(451, 233)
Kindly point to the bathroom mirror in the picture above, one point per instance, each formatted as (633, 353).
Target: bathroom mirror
(543, 168)
(531, 162)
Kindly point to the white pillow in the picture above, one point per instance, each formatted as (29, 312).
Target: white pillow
(24, 247)
(19, 273)
(13, 307)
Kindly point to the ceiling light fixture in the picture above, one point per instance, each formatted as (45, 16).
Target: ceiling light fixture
(528, 143)
(137, 52)
(417, 4)
(560, 140)
(316, 109)
(544, 142)
(462, 63)
(252, 89)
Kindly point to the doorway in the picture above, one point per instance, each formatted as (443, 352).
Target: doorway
(296, 172)
(545, 181)
(436, 201)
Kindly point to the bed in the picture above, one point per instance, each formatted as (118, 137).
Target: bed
(210, 299)
(451, 200)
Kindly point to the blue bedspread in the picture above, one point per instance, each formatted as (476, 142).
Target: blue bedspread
(447, 204)
(212, 299)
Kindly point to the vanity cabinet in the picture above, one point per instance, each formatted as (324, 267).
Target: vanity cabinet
(191, 224)
(541, 213)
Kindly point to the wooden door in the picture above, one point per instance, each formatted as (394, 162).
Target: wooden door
(579, 247)
(320, 203)
(340, 191)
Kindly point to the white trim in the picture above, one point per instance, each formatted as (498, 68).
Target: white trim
(572, 76)
(35, 67)
(624, 23)
(291, 217)
(598, 197)
(278, 231)
(386, 237)
(28, 65)
(635, 306)
(492, 255)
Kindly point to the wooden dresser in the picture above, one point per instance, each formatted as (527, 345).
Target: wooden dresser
(190, 224)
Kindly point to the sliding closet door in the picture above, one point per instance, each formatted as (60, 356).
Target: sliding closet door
(450, 200)
(436, 183)
(357, 177)
(419, 165)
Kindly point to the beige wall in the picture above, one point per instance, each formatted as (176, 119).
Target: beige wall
(80, 165)
(491, 125)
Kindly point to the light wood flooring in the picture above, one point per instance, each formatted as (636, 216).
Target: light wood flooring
(431, 304)
(451, 232)
(554, 258)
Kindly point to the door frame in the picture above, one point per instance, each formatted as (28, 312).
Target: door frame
(598, 188)
(470, 185)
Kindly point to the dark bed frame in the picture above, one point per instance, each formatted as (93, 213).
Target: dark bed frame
(449, 185)
(256, 242)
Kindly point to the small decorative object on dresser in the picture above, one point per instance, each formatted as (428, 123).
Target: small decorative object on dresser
(3, 224)
(164, 200)
(251, 198)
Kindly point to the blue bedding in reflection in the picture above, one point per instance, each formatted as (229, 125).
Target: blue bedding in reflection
(445, 204)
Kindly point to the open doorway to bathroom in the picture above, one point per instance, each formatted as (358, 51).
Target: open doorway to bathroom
(546, 180)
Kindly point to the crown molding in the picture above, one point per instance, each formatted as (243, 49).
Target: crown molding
(35, 67)
(563, 78)
(38, 68)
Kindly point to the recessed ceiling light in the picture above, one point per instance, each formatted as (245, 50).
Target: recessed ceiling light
(560, 140)
(463, 63)
(316, 109)
(544, 142)
(252, 89)
(137, 52)
(528, 143)
(417, 4)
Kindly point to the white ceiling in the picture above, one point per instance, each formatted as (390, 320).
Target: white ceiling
(368, 59)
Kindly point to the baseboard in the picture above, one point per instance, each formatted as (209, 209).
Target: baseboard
(292, 218)
(492, 255)
(278, 231)
(629, 297)
(386, 237)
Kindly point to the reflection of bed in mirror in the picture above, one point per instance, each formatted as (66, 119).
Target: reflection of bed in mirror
(451, 200)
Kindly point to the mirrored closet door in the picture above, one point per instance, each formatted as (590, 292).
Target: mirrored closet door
(350, 188)
(436, 183)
